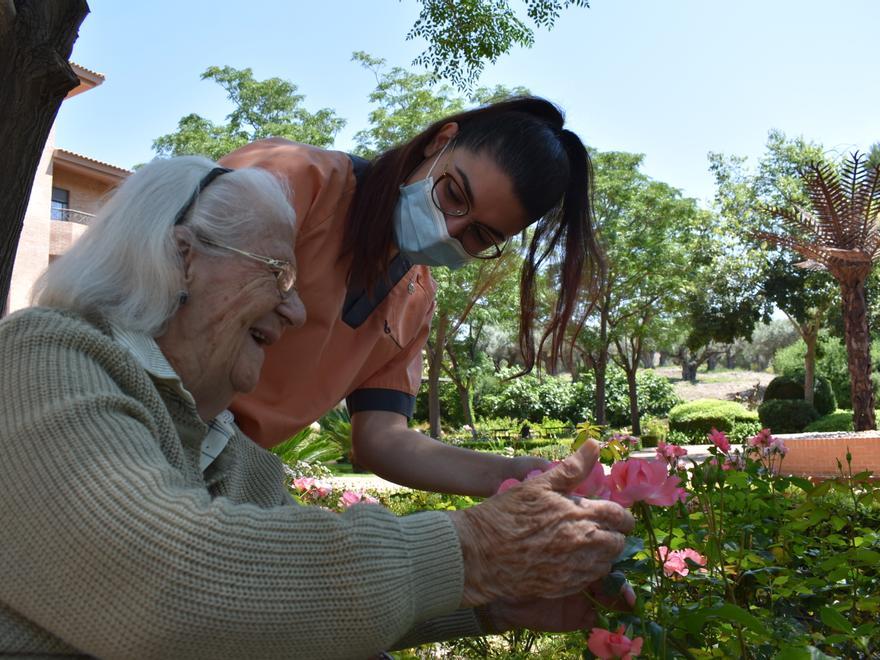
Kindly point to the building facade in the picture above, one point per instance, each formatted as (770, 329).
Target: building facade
(68, 190)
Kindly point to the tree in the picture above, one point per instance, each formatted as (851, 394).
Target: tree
(741, 196)
(805, 297)
(405, 103)
(839, 233)
(464, 34)
(645, 228)
(261, 109)
(469, 299)
(36, 39)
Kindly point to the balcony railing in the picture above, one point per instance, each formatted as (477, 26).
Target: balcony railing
(72, 215)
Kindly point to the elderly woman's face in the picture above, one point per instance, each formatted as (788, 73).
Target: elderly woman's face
(234, 311)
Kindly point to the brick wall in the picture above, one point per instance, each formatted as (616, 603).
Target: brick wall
(816, 454)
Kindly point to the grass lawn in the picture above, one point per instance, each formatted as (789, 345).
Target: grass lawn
(344, 470)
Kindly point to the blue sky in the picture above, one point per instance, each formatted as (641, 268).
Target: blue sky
(673, 79)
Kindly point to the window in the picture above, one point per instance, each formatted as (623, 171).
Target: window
(60, 203)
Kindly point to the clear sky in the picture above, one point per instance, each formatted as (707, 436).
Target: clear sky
(673, 79)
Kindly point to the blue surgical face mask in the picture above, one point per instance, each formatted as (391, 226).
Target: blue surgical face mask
(420, 227)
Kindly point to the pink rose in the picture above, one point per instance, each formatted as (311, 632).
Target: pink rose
(675, 562)
(606, 645)
(303, 484)
(670, 453)
(638, 480)
(693, 555)
(596, 485)
(777, 446)
(350, 498)
(734, 461)
(719, 439)
(507, 484)
(321, 489)
(761, 439)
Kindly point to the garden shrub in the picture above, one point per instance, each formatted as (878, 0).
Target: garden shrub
(654, 431)
(791, 386)
(831, 362)
(839, 420)
(656, 395)
(695, 419)
(532, 398)
(786, 415)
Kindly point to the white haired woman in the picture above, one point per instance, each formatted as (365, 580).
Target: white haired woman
(137, 519)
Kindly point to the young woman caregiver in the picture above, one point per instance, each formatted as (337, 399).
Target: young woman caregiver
(368, 233)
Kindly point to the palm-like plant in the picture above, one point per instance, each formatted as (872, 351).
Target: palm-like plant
(840, 234)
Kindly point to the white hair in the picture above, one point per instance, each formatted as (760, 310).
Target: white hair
(126, 266)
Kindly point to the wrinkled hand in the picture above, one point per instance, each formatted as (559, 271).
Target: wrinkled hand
(574, 612)
(534, 541)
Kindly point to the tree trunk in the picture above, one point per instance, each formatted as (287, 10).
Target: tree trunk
(633, 400)
(811, 338)
(601, 367)
(858, 351)
(464, 395)
(711, 363)
(435, 360)
(36, 39)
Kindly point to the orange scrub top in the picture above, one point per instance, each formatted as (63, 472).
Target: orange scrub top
(365, 349)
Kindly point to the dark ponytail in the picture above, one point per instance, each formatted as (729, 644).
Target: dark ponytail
(552, 177)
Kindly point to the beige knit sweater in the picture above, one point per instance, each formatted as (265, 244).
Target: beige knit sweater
(114, 544)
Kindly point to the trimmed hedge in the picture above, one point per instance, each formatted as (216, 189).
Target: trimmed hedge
(695, 419)
(839, 420)
(786, 415)
(791, 386)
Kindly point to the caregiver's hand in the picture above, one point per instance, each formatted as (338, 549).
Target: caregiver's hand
(534, 541)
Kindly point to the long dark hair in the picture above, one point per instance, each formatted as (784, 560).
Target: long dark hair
(552, 177)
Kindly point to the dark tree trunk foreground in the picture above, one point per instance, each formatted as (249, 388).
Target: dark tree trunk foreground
(36, 39)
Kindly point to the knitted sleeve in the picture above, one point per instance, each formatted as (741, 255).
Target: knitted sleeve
(108, 547)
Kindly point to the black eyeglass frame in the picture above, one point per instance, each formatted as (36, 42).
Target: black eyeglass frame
(472, 226)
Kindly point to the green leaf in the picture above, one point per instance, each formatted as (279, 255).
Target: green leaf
(801, 653)
(631, 546)
(835, 620)
(727, 612)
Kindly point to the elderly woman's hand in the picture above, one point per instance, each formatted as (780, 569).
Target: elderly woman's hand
(574, 612)
(534, 541)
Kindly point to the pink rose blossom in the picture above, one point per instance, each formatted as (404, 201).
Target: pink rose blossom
(350, 498)
(675, 562)
(777, 445)
(507, 484)
(608, 645)
(733, 461)
(669, 452)
(719, 439)
(321, 489)
(303, 484)
(596, 485)
(638, 480)
(761, 439)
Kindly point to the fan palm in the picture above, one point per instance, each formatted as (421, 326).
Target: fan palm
(840, 234)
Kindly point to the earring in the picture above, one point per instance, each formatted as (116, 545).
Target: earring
(182, 297)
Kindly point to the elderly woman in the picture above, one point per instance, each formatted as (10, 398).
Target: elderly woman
(138, 521)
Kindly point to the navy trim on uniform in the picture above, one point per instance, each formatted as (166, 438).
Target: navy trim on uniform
(358, 305)
(376, 398)
(359, 166)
